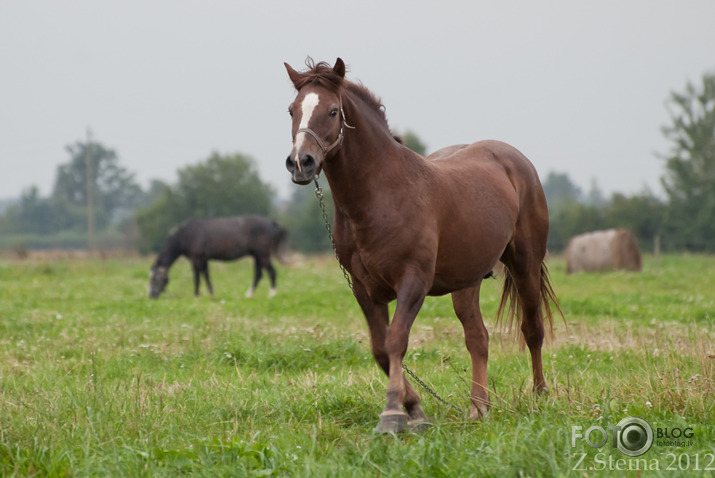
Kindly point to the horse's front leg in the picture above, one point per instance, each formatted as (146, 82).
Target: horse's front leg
(399, 392)
(205, 272)
(196, 267)
(378, 321)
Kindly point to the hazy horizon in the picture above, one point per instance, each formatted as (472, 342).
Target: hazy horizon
(579, 87)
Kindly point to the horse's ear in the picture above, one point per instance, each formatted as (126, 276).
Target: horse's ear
(294, 75)
(339, 67)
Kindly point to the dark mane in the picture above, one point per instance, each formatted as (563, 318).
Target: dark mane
(322, 74)
(368, 97)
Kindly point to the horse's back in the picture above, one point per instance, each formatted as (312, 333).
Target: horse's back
(490, 167)
(221, 238)
(482, 154)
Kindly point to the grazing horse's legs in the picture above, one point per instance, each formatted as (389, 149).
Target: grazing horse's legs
(205, 272)
(261, 262)
(257, 274)
(196, 266)
(466, 306)
(268, 266)
(378, 319)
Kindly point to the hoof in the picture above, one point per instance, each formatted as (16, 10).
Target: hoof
(478, 412)
(392, 422)
(542, 390)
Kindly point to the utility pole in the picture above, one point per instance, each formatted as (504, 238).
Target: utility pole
(90, 191)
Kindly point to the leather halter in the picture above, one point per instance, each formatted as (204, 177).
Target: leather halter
(338, 141)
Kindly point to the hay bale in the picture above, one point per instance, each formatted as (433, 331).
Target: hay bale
(600, 251)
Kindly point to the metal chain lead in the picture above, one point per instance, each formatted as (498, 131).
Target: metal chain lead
(320, 196)
(431, 392)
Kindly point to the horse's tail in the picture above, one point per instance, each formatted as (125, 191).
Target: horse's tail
(281, 245)
(510, 304)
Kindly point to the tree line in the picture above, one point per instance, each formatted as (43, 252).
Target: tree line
(685, 218)
(128, 216)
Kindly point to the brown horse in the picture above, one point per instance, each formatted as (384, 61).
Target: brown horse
(407, 227)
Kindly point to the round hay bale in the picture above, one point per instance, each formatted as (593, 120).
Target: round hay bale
(600, 251)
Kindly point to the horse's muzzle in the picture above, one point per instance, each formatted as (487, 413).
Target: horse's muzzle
(304, 170)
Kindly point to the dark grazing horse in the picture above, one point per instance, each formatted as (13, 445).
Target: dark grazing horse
(408, 226)
(222, 239)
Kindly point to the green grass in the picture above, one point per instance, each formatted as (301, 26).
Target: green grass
(98, 380)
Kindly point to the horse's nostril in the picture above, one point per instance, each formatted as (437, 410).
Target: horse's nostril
(307, 161)
(290, 164)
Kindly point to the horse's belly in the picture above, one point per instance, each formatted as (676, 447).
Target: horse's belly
(448, 280)
(442, 287)
(464, 260)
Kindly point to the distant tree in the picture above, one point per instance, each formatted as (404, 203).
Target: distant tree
(115, 189)
(154, 192)
(562, 197)
(223, 185)
(115, 193)
(31, 214)
(304, 220)
(558, 187)
(4, 203)
(689, 180)
(595, 195)
(412, 141)
(157, 220)
(642, 214)
(571, 219)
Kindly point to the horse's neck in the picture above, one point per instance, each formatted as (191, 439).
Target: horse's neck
(169, 252)
(369, 164)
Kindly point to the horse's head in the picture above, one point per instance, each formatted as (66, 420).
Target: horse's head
(157, 280)
(318, 119)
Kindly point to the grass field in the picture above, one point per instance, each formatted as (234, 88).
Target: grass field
(98, 380)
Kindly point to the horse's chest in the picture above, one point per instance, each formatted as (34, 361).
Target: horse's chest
(379, 259)
(374, 278)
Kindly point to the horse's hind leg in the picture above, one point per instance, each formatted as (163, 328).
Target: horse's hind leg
(525, 276)
(205, 272)
(476, 337)
(271, 275)
(257, 274)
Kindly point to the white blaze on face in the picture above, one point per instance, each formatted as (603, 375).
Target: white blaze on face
(310, 101)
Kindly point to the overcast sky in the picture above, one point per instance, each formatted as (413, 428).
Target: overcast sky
(578, 86)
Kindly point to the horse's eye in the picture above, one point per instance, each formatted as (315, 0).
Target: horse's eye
(333, 112)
